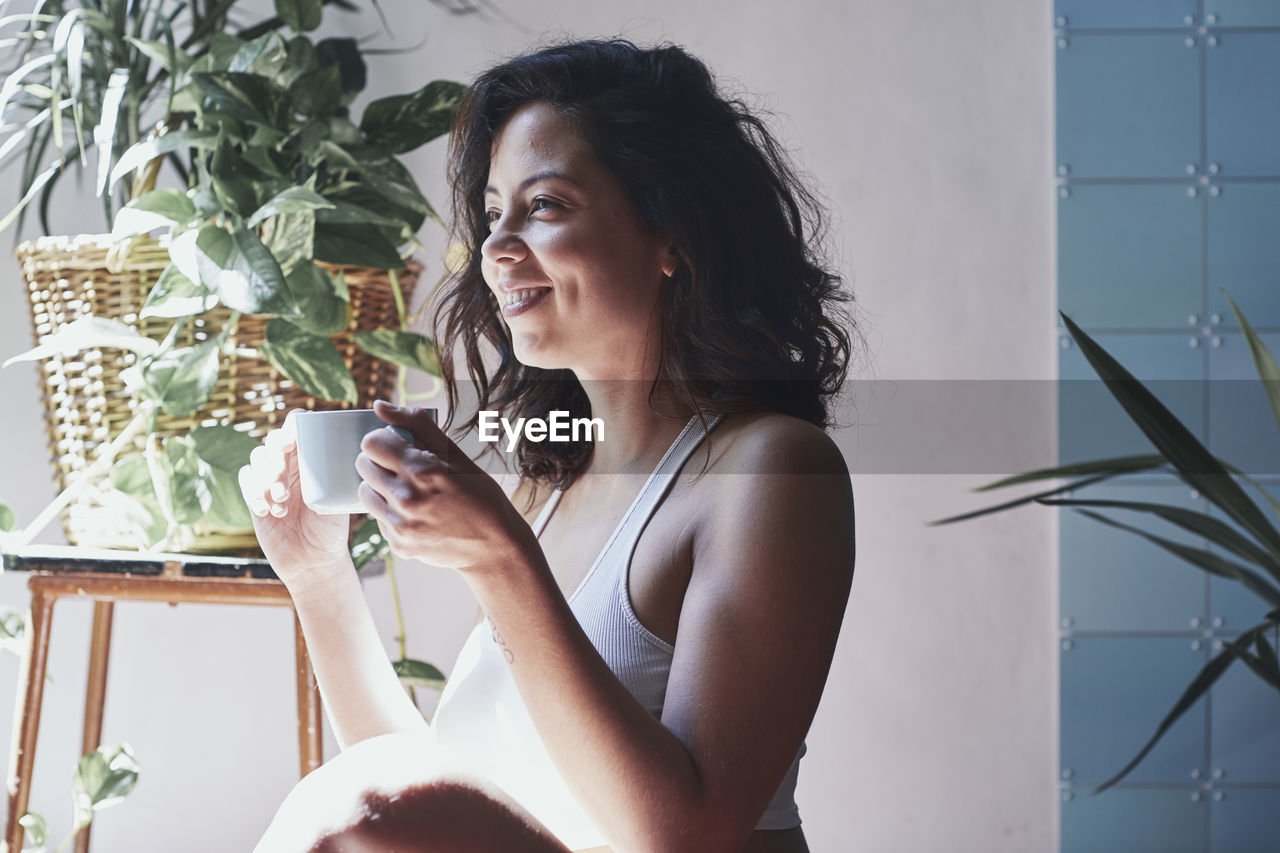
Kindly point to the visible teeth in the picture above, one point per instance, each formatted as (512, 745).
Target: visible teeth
(520, 296)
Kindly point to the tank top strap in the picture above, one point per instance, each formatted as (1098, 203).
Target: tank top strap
(540, 523)
(659, 483)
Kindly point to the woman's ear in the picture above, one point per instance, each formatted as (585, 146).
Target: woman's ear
(670, 261)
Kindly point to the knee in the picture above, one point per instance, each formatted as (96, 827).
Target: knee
(440, 817)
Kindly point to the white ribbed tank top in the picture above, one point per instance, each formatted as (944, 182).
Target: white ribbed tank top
(482, 719)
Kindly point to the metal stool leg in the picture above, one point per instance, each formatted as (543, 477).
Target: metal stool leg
(26, 720)
(96, 691)
(310, 746)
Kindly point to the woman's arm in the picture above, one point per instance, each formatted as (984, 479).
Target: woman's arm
(771, 574)
(362, 695)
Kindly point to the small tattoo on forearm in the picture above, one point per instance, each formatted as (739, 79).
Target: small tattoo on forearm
(502, 644)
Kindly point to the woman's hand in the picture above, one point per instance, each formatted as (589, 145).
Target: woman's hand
(432, 502)
(299, 543)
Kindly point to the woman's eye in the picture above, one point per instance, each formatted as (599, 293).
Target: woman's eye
(492, 216)
(541, 203)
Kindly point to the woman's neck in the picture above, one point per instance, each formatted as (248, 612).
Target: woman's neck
(635, 435)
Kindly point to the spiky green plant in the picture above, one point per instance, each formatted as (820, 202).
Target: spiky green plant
(1253, 543)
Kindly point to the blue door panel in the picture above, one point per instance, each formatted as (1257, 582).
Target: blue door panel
(1243, 13)
(1112, 579)
(1134, 821)
(1114, 693)
(1128, 105)
(1243, 252)
(1244, 738)
(1242, 98)
(1242, 818)
(1129, 14)
(1131, 256)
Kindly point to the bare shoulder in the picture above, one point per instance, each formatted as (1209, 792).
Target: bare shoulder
(778, 486)
(773, 443)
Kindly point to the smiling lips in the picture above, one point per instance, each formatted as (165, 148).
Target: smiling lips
(516, 302)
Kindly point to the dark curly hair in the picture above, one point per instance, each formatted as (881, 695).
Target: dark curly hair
(751, 320)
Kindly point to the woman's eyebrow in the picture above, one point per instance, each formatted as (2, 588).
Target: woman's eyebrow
(533, 179)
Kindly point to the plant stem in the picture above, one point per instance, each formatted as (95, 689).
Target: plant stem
(401, 641)
(103, 463)
(66, 841)
(401, 394)
(399, 296)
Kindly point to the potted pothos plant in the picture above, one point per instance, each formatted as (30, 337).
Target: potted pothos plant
(1248, 548)
(269, 269)
(283, 199)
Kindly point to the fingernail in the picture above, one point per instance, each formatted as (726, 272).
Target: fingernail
(278, 511)
(259, 508)
(279, 492)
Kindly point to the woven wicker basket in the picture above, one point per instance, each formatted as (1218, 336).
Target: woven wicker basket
(86, 402)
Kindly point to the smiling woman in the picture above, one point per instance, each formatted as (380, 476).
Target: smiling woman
(654, 646)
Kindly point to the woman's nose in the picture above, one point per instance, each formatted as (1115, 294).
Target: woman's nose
(503, 244)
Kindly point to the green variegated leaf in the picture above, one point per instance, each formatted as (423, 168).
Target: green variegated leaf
(262, 55)
(7, 518)
(88, 332)
(403, 122)
(175, 295)
(346, 213)
(36, 830)
(131, 476)
(182, 379)
(419, 674)
(301, 58)
(245, 97)
(390, 180)
(409, 349)
(345, 53)
(312, 362)
(157, 209)
(226, 450)
(324, 311)
(145, 152)
(260, 167)
(332, 155)
(292, 200)
(188, 478)
(243, 272)
(163, 54)
(232, 187)
(357, 246)
(319, 92)
(291, 239)
(103, 778)
(368, 544)
(13, 630)
(301, 15)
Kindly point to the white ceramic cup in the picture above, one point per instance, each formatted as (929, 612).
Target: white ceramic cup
(328, 444)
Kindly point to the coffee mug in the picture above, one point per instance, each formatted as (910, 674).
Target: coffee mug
(328, 444)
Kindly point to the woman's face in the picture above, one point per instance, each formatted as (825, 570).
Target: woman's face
(576, 271)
